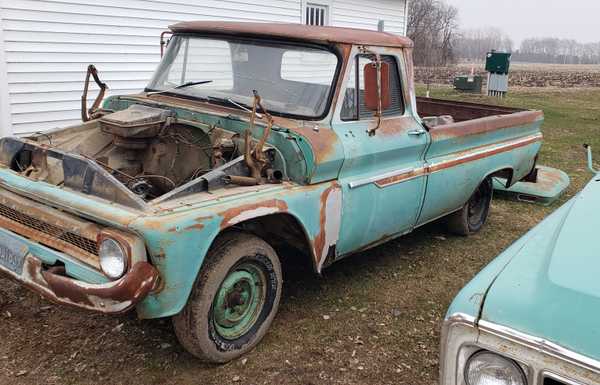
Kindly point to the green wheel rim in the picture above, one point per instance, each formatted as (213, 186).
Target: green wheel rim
(239, 301)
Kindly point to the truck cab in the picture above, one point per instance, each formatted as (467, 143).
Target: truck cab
(250, 140)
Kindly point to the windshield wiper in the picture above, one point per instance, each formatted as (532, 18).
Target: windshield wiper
(184, 85)
(258, 115)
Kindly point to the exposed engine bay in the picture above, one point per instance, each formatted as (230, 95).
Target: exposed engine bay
(143, 153)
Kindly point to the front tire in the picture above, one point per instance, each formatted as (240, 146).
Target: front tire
(473, 215)
(234, 300)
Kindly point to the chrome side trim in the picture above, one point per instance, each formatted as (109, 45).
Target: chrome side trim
(372, 179)
(540, 344)
(394, 177)
(484, 152)
(559, 378)
(460, 318)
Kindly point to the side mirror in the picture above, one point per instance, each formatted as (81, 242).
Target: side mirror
(377, 86)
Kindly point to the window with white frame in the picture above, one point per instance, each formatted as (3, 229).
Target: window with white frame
(316, 14)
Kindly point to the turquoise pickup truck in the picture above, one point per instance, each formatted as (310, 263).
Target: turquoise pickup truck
(252, 145)
(529, 317)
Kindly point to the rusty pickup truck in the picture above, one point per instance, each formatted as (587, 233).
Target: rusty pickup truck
(252, 145)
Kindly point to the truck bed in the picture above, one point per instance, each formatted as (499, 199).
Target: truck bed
(457, 125)
(469, 141)
(460, 111)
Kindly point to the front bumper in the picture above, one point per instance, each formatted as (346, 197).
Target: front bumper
(26, 262)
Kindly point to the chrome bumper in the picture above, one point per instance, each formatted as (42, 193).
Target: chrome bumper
(540, 359)
(26, 265)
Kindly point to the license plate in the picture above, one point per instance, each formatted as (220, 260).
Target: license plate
(12, 254)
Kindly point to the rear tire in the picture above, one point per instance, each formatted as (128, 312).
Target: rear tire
(473, 215)
(234, 299)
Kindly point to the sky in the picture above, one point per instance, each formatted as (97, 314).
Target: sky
(520, 19)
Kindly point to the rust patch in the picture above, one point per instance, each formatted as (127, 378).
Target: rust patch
(346, 51)
(484, 125)
(469, 156)
(130, 289)
(153, 224)
(252, 210)
(322, 142)
(50, 227)
(197, 226)
(209, 108)
(460, 158)
(410, 72)
(319, 240)
(385, 182)
(394, 126)
(295, 32)
(547, 180)
(461, 111)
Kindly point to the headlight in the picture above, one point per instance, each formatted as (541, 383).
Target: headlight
(486, 368)
(113, 259)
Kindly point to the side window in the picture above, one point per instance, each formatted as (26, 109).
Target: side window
(353, 106)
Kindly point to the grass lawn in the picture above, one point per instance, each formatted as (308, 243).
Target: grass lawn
(373, 318)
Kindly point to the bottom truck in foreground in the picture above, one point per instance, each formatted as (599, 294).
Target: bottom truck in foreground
(531, 317)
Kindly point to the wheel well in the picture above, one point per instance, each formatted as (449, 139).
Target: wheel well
(506, 173)
(284, 233)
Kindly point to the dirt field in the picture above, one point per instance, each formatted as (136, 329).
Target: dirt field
(371, 319)
(521, 75)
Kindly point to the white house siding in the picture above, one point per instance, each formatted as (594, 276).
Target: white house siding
(46, 45)
(366, 14)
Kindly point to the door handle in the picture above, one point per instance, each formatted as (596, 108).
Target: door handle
(418, 132)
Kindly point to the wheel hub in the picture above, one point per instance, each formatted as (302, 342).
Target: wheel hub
(239, 301)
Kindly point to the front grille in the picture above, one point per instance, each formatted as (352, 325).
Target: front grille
(556, 380)
(87, 245)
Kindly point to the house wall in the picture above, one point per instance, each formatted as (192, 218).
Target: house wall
(46, 45)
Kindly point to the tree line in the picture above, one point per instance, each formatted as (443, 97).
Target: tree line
(434, 27)
(557, 51)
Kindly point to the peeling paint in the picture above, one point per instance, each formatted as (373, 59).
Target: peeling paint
(330, 223)
(253, 210)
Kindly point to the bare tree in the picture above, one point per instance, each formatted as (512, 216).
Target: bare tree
(432, 25)
(476, 43)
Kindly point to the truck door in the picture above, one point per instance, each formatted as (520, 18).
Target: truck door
(383, 175)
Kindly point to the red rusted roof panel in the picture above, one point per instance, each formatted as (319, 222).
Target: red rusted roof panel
(296, 32)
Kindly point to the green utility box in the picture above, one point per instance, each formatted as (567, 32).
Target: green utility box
(468, 83)
(497, 62)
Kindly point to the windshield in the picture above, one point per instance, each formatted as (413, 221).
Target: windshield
(291, 79)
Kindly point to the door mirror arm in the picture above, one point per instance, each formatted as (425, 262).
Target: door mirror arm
(377, 89)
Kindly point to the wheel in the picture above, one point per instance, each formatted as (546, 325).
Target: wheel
(472, 216)
(234, 299)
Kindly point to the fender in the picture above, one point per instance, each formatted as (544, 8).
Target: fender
(178, 241)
